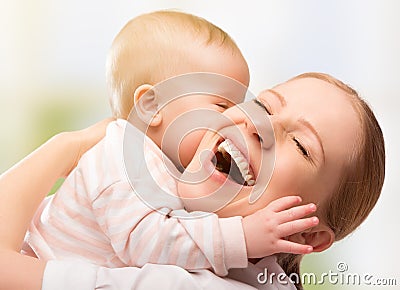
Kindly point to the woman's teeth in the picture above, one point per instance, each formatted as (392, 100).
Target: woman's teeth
(241, 162)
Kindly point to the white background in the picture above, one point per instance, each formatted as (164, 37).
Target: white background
(52, 55)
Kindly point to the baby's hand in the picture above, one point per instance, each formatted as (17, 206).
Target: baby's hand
(266, 229)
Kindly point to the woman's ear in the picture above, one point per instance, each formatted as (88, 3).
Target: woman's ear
(146, 105)
(320, 237)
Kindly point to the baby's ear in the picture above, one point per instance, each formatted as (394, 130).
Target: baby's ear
(146, 105)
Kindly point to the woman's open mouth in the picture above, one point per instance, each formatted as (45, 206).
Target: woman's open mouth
(229, 160)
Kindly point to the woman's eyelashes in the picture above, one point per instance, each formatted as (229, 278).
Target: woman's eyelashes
(223, 106)
(262, 106)
(301, 148)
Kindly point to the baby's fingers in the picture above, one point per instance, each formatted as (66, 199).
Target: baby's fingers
(284, 246)
(283, 203)
(296, 213)
(297, 226)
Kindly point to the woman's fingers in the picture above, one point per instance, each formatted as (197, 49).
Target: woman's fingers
(93, 134)
(83, 140)
(297, 226)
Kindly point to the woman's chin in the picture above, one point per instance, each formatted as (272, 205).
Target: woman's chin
(240, 205)
(193, 191)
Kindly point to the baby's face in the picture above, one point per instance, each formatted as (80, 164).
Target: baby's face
(314, 130)
(185, 115)
(185, 119)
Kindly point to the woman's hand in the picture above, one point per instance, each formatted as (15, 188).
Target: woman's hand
(82, 140)
(24, 186)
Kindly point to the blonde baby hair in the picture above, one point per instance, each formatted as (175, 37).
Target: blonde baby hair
(153, 47)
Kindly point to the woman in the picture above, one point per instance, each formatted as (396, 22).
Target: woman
(345, 181)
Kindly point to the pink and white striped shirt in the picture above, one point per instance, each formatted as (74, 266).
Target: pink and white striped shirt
(97, 215)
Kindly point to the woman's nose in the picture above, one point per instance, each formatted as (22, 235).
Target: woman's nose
(258, 123)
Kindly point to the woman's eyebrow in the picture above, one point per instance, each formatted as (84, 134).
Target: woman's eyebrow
(307, 124)
(302, 121)
(279, 96)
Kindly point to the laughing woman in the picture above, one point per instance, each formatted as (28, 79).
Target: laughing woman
(344, 181)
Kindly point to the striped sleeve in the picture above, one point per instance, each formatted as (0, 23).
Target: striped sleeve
(140, 235)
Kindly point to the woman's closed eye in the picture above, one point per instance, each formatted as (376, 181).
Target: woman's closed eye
(223, 106)
(301, 148)
(263, 106)
(304, 152)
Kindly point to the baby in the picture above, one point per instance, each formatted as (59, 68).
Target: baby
(99, 214)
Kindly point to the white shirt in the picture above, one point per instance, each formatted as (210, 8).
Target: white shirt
(78, 275)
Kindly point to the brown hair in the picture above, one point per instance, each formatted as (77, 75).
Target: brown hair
(361, 182)
(153, 47)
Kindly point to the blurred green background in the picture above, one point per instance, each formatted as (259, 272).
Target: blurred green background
(52, 57)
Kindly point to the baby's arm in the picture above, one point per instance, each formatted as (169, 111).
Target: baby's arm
(266, 230)
(140, 235)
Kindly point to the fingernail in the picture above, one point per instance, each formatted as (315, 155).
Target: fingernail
(312, 206)
(314, 220)
(309, 249)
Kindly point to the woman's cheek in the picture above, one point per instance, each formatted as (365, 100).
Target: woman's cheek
(294, 176)
(189, 145)
(287, 176)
